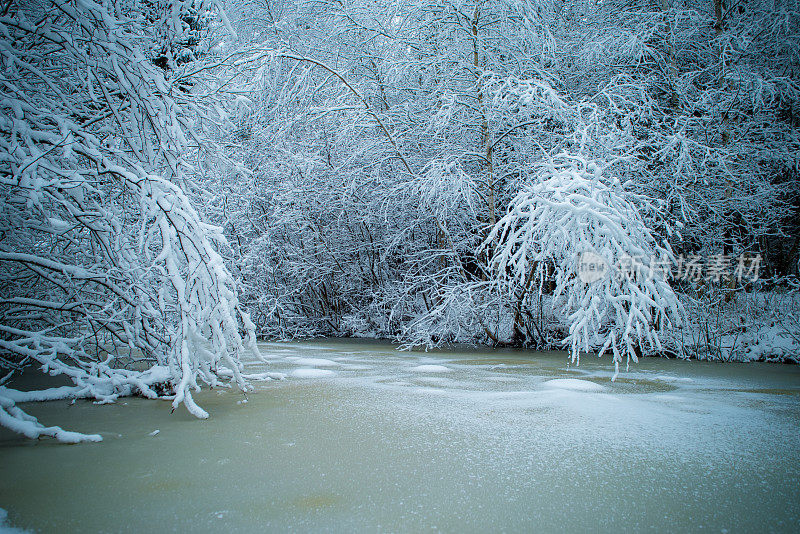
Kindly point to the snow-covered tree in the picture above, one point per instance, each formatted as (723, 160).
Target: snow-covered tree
(108, 274)
(586, 231)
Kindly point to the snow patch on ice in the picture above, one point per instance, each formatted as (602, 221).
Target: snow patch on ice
(313, 362)
(224, 371)
(431, 369)
(670, 398)
(265, 376)
(312, 373)
(435, 380)
(352, 367)
(574, 384)
(667, 378)
(428, 391)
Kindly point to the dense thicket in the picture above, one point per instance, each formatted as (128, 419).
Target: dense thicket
(384, 140)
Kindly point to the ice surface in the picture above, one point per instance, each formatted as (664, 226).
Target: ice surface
(504, 441)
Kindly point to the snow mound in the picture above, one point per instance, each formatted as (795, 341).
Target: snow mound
(312, 373)
(574, 384)
(431, 369)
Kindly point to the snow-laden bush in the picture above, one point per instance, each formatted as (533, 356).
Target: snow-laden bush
(570, 214)
(108, 275)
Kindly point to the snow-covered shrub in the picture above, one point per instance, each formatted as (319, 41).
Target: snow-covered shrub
(465, 312)
(739, 325)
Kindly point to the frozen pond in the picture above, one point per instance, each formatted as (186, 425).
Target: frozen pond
(362, 437)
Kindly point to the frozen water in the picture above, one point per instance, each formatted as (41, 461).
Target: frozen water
(504, 441)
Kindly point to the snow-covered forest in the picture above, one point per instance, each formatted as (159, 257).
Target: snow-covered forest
(181, 177)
